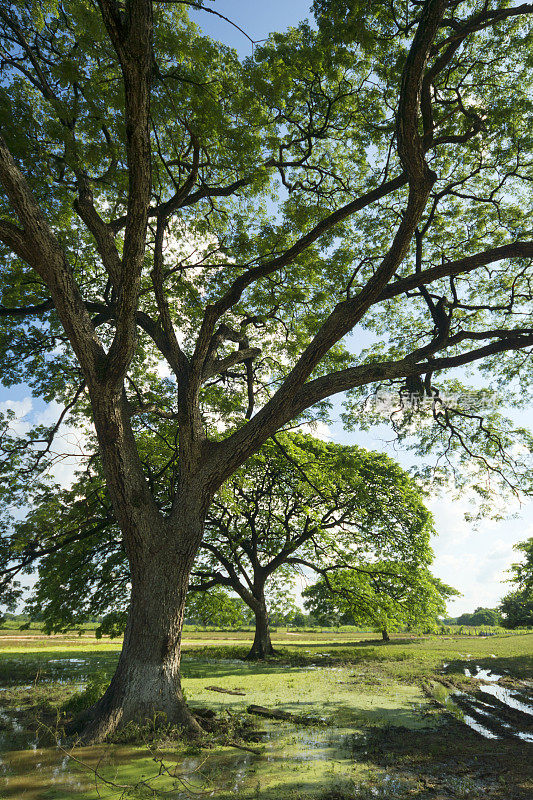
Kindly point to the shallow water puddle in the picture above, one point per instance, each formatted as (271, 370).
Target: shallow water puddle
(459, 703)
(292, 759)
(449, 702)
(390, 787)
(508, 697)
(489, 685)
(291, 756)
(50, 773)
(481, 674)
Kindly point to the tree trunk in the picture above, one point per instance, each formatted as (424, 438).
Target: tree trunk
(385, 635)
(146, 685)
(262, 646)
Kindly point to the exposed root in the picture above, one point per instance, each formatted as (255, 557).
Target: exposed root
(255, 655)
(98, 724)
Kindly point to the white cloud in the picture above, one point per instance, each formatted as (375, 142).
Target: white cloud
(318, 429)
(69, 443)
(20, 407)
(19, 425)
(475, 560)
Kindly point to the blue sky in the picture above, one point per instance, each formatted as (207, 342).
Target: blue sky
(257, 19)
(472, 560)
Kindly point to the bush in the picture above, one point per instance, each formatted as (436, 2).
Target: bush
(94, 689)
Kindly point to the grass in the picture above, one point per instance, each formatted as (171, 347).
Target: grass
(381, 736)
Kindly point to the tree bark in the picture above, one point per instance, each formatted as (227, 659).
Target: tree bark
(146, 686)
(262, 645)
(385, 635)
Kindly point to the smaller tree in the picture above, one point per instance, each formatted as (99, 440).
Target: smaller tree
(386, 596)
(302, 503)
(517, 606)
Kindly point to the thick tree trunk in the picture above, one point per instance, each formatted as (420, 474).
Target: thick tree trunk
(146, 685)
(385, 635)
(262, 646)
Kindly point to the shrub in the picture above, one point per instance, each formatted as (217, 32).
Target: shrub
(94, 689)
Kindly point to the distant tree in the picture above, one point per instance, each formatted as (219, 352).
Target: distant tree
(300, 620)
(481, 616)
(517, 606)
(386, 596)
(327, 614)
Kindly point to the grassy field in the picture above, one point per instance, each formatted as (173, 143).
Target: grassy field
(372, 719)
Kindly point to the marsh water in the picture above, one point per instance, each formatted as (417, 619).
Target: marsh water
(36, 763)
(289, 756)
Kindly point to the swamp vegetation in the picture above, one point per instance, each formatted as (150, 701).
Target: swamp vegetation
(371, 719)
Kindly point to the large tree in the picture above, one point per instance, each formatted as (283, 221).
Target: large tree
(166, 207)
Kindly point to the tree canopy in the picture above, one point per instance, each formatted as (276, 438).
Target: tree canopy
(190, 239)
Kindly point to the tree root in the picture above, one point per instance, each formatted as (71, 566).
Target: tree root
(253, 655)
(97, 724)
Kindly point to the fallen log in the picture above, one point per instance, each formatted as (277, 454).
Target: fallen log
(271, 713)
(224, 691)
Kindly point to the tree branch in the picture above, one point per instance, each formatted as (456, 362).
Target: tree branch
(132, 40)
(28, 311)
(459, 267)
(15, 238)
(47, 258)
(341, 381)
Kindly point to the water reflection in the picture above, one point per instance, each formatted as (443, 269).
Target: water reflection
(496, 716)
(508, 698)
